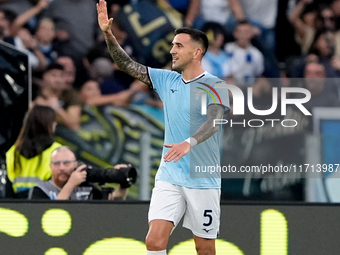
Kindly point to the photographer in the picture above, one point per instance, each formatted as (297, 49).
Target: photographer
(70, 181)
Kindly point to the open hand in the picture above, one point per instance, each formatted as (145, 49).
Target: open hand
(103, 21)
(42, 4)
(177, 151)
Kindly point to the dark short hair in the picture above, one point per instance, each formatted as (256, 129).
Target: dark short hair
(54, 66)
(215, 29)
(243, 22)
(196, 35)
(9, 15)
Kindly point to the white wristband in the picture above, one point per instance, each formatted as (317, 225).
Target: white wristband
(192, 141)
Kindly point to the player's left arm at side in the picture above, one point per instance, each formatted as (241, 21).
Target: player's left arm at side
(178, 150)
(208, 128)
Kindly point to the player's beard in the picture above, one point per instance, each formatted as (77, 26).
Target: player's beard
(177, 69)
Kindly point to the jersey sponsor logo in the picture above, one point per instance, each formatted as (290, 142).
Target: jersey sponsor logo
(173, 90)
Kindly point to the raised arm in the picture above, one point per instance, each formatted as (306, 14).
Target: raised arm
(76, 178)
(193, 11)
(295, 19)
(23, 18)
(237, 9)
(121, 58)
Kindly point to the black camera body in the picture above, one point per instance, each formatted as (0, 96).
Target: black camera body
(125, 176)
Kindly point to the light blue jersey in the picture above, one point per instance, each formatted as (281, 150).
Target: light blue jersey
(183, 117)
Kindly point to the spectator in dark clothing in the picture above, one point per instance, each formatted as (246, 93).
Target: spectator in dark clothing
(68, 179)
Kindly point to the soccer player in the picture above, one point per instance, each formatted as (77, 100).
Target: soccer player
(176, 193)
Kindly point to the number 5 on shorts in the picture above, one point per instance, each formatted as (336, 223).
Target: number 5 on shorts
(207, 213)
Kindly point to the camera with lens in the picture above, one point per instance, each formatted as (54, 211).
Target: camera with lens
(125, 176)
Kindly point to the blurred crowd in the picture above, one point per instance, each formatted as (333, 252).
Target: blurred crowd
(249, 40)
(257, 44)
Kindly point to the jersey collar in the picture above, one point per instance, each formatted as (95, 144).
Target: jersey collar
(196, 78)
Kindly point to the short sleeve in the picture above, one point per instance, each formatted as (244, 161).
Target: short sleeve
(219, 93)
(223, 93)
(160, 79)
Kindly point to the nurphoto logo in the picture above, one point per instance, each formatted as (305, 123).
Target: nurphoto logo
(239, 104)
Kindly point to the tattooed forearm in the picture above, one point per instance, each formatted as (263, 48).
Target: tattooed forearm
(124, 62)
(208, 129)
